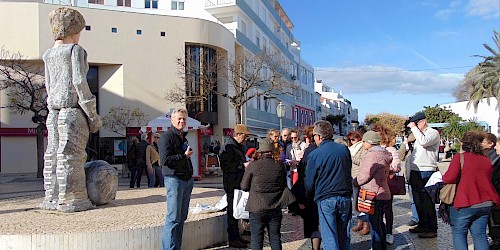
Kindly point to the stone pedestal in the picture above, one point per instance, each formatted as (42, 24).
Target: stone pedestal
(102, 182)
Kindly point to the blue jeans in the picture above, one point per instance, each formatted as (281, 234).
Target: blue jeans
(178, 196)
(414, 214)
(334, 219)
(270, 219)
(377, 226)
(473, 219)
(426, 209)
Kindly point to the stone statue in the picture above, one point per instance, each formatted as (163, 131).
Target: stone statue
(72, 115)
(102, 182)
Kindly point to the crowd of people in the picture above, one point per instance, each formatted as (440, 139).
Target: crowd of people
(325, 181)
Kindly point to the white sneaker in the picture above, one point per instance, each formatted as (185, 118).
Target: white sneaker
(389, 238)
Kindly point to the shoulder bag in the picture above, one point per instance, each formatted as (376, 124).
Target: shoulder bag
(396, 184)
(366, 201)
(448, 192)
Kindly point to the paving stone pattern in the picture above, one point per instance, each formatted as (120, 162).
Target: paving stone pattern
(136, 208)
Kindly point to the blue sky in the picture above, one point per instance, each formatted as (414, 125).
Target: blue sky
(393, 56)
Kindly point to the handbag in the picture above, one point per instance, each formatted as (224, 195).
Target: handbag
(239, 204)
(366, 201)
(448, 192)
(397, 185)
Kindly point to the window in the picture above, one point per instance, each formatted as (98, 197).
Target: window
(87, 27)
(139, 32)
(243, 27)
(151, 4)
(97, 1)
(267, 103)
(177, 5)
(126, 3)
(258, 103)
(162, 33)
(114, 30)
(199, 66)
(296, 114)
(257, 39)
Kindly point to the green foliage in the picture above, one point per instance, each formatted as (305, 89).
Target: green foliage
(437, 114)
(484, 78)
(457, 128)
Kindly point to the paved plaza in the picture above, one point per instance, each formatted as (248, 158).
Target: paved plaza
(21, 192)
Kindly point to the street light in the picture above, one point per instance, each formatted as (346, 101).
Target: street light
(280, 112)
(354, 125)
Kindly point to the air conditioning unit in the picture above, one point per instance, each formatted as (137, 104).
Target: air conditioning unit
(294, 77)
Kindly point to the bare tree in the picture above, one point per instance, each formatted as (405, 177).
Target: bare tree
(23, 83)
(248, 76)
(461, 91)
(121, 117)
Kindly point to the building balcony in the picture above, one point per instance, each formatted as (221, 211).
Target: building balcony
(218, 3)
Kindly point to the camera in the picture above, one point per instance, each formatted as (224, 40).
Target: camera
(406, 128)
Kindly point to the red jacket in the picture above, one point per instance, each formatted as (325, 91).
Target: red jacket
(475, 185)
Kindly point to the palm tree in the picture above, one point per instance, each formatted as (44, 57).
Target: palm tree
(484, 78)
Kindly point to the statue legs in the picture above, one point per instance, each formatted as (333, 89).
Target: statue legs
(68, 141)
(50, 164)
(73, 136)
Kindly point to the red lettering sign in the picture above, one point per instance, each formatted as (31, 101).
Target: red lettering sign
(19, 132)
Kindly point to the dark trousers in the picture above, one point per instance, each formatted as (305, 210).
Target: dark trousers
(141, 169)
(159, 178)
(389, 216)
(426, 209)
(233, 232)
(377, 226)
(133, 176)
(270, 219)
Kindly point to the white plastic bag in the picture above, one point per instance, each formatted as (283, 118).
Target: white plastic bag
(202, 209)
(222, 203)
(239, 204)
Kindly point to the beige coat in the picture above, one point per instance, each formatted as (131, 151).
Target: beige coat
(152, 156)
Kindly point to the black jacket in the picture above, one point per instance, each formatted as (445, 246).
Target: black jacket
(495, 178)
(265, 180)
(172, 146)
(231, 161)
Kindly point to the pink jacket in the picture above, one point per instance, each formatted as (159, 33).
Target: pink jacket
(374, 172)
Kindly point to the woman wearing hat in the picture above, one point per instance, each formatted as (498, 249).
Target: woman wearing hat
(265, 180)
(373, 175)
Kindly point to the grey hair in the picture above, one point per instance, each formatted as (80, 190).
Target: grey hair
(178, 111)
(324, 129)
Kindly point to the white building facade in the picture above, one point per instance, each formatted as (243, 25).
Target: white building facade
(133, 46)
(334, 103)
(485, 112)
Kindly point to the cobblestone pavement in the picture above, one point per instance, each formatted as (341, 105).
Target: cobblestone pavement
(25, 187)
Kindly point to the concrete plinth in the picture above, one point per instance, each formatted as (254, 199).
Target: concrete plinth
(133, 221)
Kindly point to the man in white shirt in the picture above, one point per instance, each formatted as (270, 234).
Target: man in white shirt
(423, 163)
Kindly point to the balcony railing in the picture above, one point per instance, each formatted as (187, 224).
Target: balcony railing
(211, 3)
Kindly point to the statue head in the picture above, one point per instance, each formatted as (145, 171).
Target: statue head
(65, 22)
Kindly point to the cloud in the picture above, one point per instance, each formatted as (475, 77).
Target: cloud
(483, 8)
(372, 79)
(445, 14)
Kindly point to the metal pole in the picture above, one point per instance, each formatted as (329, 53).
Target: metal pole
(281, 124)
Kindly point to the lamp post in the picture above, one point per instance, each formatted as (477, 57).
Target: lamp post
(280, 112)
(354, 125)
